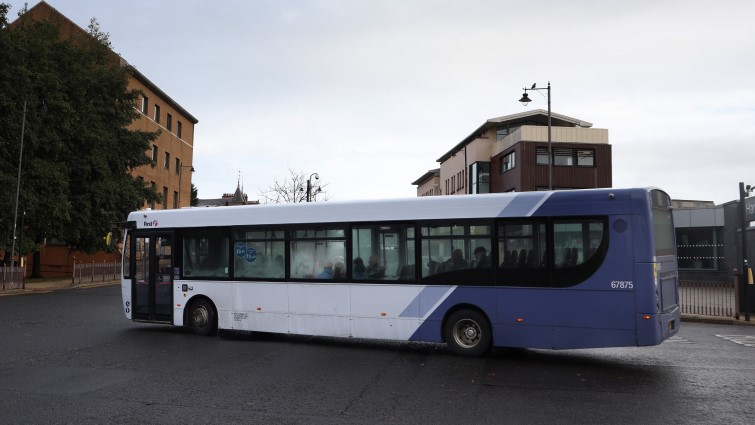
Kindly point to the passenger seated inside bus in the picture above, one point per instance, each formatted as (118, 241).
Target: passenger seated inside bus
(327, 271)
(482, 261)
(374, 269)
(339, 271)
(456, 262)
(360, 271)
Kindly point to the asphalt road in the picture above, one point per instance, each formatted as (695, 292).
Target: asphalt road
(70, 357)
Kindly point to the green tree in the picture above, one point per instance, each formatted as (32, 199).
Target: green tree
(78, 152)
(194, 196)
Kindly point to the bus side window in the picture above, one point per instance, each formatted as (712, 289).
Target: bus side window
(259, 253)
(521, 245)
(383, 252)
(205, 253)
(318, 253)
(576, 241)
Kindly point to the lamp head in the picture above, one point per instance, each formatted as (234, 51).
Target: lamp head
(525, 99)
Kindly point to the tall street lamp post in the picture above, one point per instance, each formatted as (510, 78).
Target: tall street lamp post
(18, 185)
(745, 217)
(180, 177)
(309, 185)
(525, 100)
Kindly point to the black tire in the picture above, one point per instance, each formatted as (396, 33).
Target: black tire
(202, 317)
(467, 333)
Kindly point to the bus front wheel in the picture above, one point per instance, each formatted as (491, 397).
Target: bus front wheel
(467, 333)
(202, 317)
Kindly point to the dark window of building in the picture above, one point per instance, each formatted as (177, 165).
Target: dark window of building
(165, 198)
(564, 157)
(567, 157)
(501, 133)
(157, 114)
(508, 161)
(700, 248)
(154, 154)
(179, 129)
(169, 122)
(481, 177)
(166, 163)
(178, 166)
(542, 156)
(585, 157)
(175, 199)
(145, 105)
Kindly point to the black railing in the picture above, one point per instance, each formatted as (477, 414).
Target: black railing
(708, 298)
(11, 278)
(96, 272)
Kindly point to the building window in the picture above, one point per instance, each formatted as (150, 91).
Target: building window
(508, 162)
(502, 132)
(480, 177)
(165, 198)
(145, 105)
(178, 166)
(167, 161)
(585, 157)
(179, 129)
(175, 199)
(542, 156)
(169, 122)
(700, 248)
(154, 154)
(567, 157)
(157, 114)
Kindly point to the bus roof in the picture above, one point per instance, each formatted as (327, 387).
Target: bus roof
(519, 204)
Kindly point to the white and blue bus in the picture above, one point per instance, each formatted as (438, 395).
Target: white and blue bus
(559, 270)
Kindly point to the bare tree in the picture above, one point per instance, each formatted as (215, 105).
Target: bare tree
(293, 189)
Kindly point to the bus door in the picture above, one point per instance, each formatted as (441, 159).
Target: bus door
(152, 281)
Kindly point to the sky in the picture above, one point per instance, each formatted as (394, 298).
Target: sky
(369, 94)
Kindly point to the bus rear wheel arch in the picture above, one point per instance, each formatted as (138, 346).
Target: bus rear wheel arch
(201, 317)
(467, 333)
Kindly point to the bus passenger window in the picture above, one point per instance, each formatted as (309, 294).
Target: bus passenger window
(205, 253)
(318, 253)
(383, 252)
(521, 245)
(455, 247)
(576, 241)
(259, 254)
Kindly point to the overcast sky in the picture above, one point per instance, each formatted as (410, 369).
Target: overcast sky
(369, 94)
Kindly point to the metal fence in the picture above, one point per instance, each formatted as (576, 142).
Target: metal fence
(12, 277)
(708, 298)
(96, 272)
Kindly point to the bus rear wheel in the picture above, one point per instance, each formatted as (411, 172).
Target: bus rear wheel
(467, 333)
(202, 317)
